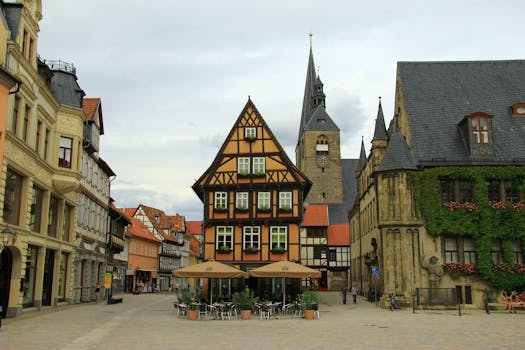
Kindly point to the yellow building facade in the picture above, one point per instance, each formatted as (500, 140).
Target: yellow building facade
(40, 172)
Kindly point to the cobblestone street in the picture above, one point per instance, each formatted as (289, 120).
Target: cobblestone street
(148, 321)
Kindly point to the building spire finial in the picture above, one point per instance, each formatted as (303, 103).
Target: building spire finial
(310, 35)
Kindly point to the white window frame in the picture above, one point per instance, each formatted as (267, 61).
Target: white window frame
(259, 165)
(243, 165)
(222, 234)
(241, 200)
(285, 200)
(264, 200)
(279, 236)
(220, 200)
(249, 232)
(250, 132)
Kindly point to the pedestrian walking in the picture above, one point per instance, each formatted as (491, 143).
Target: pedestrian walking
(354, 291)
(344, 289)
(97, 292)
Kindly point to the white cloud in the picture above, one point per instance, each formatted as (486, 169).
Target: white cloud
(174, 75)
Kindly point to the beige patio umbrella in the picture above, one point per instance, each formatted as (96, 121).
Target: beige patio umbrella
(210, 269)
(285, 269)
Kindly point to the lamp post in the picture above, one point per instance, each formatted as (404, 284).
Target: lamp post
(6, 236)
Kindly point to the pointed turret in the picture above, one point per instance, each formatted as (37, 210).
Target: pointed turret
(397, 155)
(380, 132)
(362, 156)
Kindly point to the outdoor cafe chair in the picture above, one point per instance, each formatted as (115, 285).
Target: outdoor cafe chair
(203, 310)
(225, 311)
(181, 310)
(265, 311)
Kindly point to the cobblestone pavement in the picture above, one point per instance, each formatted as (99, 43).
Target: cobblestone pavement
(148, 321)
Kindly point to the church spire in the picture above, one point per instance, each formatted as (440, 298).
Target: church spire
(380, 129)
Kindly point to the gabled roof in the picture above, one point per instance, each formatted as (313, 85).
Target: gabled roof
(298, 177)
(194, 227)
(397, 156)
(91, 106)
(339, 235)
(438, 95)
(130, 212)
(315, 215)
(321, 121)
(163, 222)
(139, 230)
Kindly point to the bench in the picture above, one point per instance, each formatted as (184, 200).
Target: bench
(501, 307)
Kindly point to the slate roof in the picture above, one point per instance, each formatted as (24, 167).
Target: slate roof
(438, 95)
(362, 156)
(380, 129)
(397, 156)
(65, 88)
(320, 120)
(338, 212)
(13, 12)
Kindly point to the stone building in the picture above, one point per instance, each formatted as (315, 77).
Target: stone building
(318, 155)
(41, 169)
(439, 203)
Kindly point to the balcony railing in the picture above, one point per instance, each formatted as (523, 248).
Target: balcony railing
(61, 66)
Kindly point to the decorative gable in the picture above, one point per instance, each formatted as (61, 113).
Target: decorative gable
(256, 158)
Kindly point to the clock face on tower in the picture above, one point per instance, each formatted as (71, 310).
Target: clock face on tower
(322, 161)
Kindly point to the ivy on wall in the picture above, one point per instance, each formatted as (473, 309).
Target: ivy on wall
(482, 221)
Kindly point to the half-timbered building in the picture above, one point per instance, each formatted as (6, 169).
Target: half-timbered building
(253, 201)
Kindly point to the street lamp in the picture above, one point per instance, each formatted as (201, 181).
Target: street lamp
(6, 234)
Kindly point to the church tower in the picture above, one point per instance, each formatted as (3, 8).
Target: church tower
(318, 150)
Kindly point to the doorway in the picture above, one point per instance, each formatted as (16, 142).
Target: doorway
(6, 263)
(48, 277)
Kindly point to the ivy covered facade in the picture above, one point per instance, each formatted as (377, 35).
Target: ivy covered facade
(440, 196)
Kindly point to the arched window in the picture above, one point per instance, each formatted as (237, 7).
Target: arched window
(321, 146)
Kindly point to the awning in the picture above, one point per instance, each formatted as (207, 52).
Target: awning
(147, 270)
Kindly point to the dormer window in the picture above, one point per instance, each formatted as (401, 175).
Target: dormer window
(519, 109)
(479, 123)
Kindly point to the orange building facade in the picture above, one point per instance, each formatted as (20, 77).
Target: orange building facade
(143, 251)
(253, 201)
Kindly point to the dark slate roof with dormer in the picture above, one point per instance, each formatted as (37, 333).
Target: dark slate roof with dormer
(338, 213)
(397, 156)
(321, 121)
(438, 95)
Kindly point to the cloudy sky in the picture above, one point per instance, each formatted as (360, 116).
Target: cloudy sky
(173, 76)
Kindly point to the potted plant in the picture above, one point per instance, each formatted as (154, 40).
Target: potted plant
(251, 249)
(245, 300)
(309, 300)
(224, 249)
(278, 249)
(189, 298)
